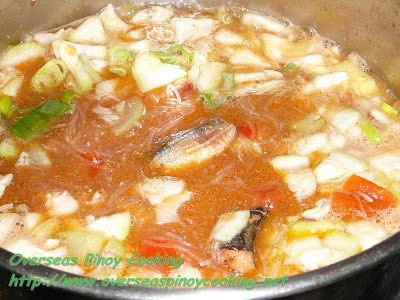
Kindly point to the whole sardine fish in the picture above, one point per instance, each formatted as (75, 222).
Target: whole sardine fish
(196, 145)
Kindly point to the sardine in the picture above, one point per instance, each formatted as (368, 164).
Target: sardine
(196, 145)
(232, 241)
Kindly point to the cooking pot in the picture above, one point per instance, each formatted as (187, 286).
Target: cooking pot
(371, 28)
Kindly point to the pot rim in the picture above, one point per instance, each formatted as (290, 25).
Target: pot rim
(294, 285)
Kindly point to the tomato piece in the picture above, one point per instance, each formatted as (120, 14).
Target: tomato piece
(269, 195)
(93, 163)
(361, 198)
(250, 131)
(152, 246)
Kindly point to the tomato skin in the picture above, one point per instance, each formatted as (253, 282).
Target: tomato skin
(151, 247)
(352, 203)
(93, 163)
(250, 131)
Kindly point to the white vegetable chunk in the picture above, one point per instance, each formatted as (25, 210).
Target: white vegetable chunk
(228, 37)
(229, 225)
(36, 156)
(136, 34)
(25, 247)
(151, 73)
(107, 86)
(189, 30)
(61, 204)
(303, 184)
(311, 143)
(46, 38)
(20, 53)
(28, 249)
(157, 189)
(322, 208)
(271, 86)
(5, 181)
(117, 225)
(338, 167)
(309, 62)
(247, 58)
(345, 119)
(67, 52)
(263, 23)
(112, 21)
(140, 47)
(308, 254)
(152, 15)
(290, 162)
(210, 76)
(91, 31)
(257, 76)
(388, 163)
(166, 194)
(369, 234)
(167, 210)
(325, 82)
(91, 51)
(31, 220)
(380, 116)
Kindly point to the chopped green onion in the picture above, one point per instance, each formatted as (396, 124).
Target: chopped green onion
(290, 69)
(6, 106)
(12, 86)
(118, 71)
(212, 101)
(50, 76)
(21, 53)
(178, 49)
(166, 57)
(370, 131)
(120, 60)
(308, 124)
(66, 97)
(175, 55)
(388, 109)
(122, 56)
(229, 81)
(38, 119)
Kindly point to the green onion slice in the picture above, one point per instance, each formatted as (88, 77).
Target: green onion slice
(50, 76)
(6, 106)
(290, 69)
(66, 97)
(166, 57)
(214, 102)
(179, 50)
(388, 109)
(175, 55)
(370, 131)
(118, 71)
(38, 119)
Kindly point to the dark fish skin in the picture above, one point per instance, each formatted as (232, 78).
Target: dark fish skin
(196, 145)
(245, 239)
